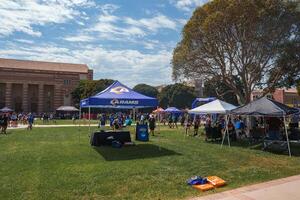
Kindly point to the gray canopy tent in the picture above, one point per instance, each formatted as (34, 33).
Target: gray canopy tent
(266, 107)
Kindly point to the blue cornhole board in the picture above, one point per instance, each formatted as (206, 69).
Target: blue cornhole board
(142, 133)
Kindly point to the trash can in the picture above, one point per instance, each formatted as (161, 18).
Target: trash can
(142, 133)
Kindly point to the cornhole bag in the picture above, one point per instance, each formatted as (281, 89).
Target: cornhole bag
(204, 187)
(196, 180)
(203, 181)
(216, 181)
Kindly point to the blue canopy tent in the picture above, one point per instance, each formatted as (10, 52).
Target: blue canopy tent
(173, 110)
(118, 96)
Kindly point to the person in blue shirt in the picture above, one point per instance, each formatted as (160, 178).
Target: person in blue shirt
(111, 120)
(30, 120)
(239, 127)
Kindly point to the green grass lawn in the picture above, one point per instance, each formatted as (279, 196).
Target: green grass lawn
(59, 163)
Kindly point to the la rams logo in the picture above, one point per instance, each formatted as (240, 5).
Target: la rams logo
(114, 102)
(119, 90)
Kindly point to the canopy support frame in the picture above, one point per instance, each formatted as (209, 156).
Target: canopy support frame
(287, 135)
(226, 133)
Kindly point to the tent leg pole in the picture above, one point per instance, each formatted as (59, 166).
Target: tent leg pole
(227, 130)
(224, 132)
(89, 119)
(133, 115)
(158, 123)
(79, 113)
(79, 122)
(223, 138)
(287, 136)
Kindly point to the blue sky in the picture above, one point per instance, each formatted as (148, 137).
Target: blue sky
(128, 40)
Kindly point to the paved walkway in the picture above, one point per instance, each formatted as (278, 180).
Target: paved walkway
(281, 189)
(51, 125)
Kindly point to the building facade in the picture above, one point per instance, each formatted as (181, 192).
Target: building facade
(39, 87)
(289, 97)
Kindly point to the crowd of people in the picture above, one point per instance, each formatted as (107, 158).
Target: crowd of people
(13, 119)
(237, 127)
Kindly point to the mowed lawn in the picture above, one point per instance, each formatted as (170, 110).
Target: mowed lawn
(59, 163)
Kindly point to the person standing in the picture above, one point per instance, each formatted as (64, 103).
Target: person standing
(30, 120)
(294, 121)
(1, 123)
(152, 124)
(102, 121)
(196, 125)
(142, 120)
(187, 126)
(4, 124)
(170, 121)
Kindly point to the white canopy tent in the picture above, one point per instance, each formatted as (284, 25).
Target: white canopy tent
(216, 107)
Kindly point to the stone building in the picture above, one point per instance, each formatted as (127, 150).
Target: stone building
(35, 86)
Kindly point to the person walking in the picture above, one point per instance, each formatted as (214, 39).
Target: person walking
(30, 120)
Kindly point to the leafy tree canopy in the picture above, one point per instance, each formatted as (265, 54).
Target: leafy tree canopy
(146, 90)
(245, 44)
(215, 88)
(87, 88)
(178, 95)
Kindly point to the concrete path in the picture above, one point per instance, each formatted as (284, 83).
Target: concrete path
(52, 125)
(57, 125)
(281, 189)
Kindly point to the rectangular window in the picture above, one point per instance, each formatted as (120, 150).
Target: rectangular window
(67, 82)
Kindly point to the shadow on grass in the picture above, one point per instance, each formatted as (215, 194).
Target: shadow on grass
(139, 151)
(258, 145)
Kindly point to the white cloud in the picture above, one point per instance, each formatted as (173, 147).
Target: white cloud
(79, 38)
(127, 65)
(182, 21)
(25, 41)
(187, 5)
(154, 23)
(109, 8)
(114, 27)
(18, 15)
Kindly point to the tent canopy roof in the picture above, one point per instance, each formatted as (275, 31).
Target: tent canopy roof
(6, 109)
(118, 95)
(67, 108)
(265, 107)
(158, 110)
(172, 110)
(214, 107)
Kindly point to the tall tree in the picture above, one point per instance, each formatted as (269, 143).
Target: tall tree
(88, 88)
(240, 41)
(178, 95)
(145, 89)
(215, 88)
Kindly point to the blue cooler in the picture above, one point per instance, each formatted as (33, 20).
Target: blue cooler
(142, 132)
